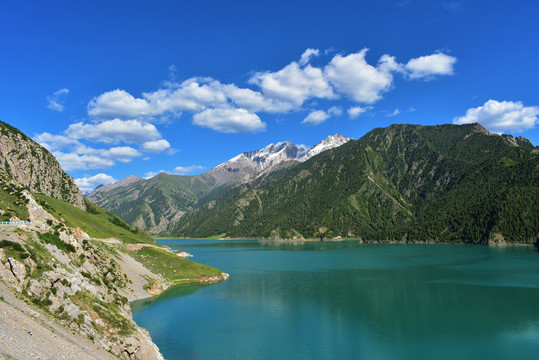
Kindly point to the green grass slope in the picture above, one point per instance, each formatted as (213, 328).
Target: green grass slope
(96, 222)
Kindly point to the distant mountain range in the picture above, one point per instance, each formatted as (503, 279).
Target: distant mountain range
(154, 203)
(403, 183)
(447, 183)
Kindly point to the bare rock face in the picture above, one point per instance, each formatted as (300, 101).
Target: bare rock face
(496, 239)
(24, 160)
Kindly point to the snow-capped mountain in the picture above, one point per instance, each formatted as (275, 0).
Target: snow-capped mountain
(245, 166)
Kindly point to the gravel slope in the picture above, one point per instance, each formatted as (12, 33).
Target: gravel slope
(27, 333)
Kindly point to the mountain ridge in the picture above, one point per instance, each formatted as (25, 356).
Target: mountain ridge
(152, 204)
(389, 185)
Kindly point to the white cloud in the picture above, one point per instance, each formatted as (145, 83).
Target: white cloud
(355, 111)
(502, 116)
(114, 131)
(193, 95)
(56, 142)
(183, 170)
(254, 101)
(73, 161)
(229, 120)
(87, 158)
(354, 77)
(294, 84)
(335, 111)
(56, 100)
(156, 146)
(118, 104)
(316, 117)
(394, 113)
(274, 91)
(89, 183)
(430, 65)
(307, 55)
(122, 153)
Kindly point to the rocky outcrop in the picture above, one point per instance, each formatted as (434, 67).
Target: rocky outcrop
(33, 166)
(84, 284)
(205, 279)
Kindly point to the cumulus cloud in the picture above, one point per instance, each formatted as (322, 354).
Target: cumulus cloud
(114, 131)
(74, 161)
(118, 104)
(355, 111)
(87, 158)
(360, 81)
(192, 95)
(278, 91)
(156, 146)
(56, 100)
(502, 116)
(56, 142)
(294, 84)
(120, 153)
(184, 170)
(430, 65)
(316, 118)
(254, 101)
(229, 120)
(307, 55)
(89, 183)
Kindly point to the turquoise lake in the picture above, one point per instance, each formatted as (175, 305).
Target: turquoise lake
(350, 301)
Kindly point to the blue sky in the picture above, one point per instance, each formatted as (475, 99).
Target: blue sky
(115, 88)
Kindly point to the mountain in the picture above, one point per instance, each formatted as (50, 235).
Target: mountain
(131, 179)
(246, 166)
(24, 160)
(153, 204)
(68, 273)
(447, 183)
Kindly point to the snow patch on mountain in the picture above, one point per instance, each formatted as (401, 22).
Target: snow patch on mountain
(245, 166)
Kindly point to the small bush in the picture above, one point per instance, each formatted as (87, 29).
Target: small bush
(55, 240)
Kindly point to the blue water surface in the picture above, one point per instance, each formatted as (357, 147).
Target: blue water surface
(347, 300)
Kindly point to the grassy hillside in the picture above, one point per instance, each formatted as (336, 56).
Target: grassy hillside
(95, 221)
(407, 183)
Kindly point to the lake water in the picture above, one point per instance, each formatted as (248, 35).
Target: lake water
(351, 301)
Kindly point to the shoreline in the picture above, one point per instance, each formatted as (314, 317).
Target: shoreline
(339, 239)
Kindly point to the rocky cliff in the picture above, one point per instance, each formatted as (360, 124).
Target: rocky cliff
(24, 160)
